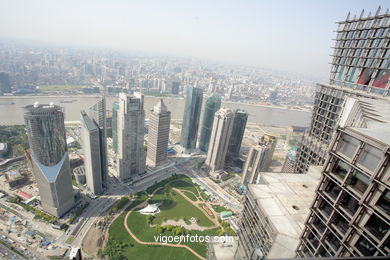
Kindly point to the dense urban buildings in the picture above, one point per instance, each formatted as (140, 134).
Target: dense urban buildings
(131, 127)
(219, 140)
(240, 119)
(49, 156)
(158, 135)
(360, 67)
(350, 215)
(258, 159)
(274, 214)
(212, 105)
(191, 117)
(92, 137)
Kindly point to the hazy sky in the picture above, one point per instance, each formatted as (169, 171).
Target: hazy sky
(291, 35)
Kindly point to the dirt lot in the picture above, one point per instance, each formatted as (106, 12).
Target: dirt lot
(92, 241)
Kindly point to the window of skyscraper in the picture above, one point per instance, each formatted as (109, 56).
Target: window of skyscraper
(370, 157)
(348, 146)
(377, 227)
(341, 169)
(358, 181)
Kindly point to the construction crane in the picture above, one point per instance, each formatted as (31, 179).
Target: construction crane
(11, 224)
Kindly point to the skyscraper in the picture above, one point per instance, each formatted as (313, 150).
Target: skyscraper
(240, 118)
(191, 117)
(115, 109)
(49, 155)
(175, 87)
(270, 142)
(98, 114)
(92, 140)
(350, 215)
(5, 86)
(360, 67)
(258, 159)
(213, 104)
(159, 123)
(131, 124)
(219, 141)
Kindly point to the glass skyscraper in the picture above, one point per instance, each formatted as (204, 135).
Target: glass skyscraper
(115, 108)
(49, 155)
(240, 119)
(213, 104)
(191, 117)
(95, 153)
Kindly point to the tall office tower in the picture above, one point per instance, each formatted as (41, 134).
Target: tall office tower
(289, 162)
(360, 67)
(131, 124)
(259, 159)
(213, 104)
(92, 139)
(49, 156)
(98, 114)
(350, 215)
(159, 123)
(273, 216)
(219, 141)
(191, 117)
(175, 87)
(115, 109)
(240, 119)
(5, 86)
(270, 142)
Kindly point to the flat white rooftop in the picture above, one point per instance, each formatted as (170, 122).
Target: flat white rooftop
(285, 199)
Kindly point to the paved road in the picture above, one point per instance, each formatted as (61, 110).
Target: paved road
(213, 188)
(6, 253)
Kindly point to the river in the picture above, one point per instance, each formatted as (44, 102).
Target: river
(12, 114)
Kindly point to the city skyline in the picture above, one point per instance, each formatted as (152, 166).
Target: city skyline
(170, 147)
(189, 29)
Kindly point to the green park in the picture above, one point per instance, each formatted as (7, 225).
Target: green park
(183, 210)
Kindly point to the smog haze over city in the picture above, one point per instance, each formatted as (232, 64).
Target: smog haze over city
(292, 36)
(218, 130)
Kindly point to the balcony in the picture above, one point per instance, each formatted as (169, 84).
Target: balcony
(384, 202)
(325, 208)
(333, 241)
(340, 223)
(358, 181)
(377, 227)
(341, 169)
(349, 203)
(365, 247)
(313, 240)
(332, 189)
(317, 223)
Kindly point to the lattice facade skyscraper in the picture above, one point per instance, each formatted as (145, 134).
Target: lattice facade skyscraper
(360, 67)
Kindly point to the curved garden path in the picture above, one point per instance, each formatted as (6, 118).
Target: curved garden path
(143, 204)
(181, 193)
(196, 204)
